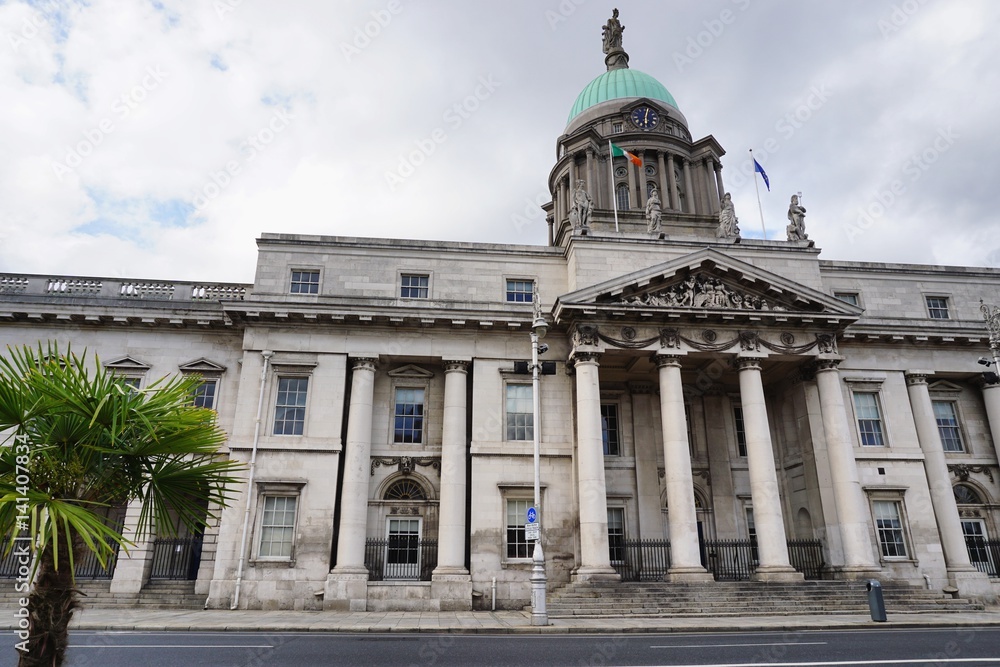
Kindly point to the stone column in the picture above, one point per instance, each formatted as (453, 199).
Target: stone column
(633, 199)
(961, 572)
(643, 196)
(558, 209)
(714, 198)
(852, 511)
(647, 480)
(692, 205)
(347, 583)
(595, 558)
(685, 559)
(590, 175)
(772, 544)
(718, 181)
(573, 177)
(134, 566)
(675, 202)
(662, 187)
(451, 584)
(991, 397)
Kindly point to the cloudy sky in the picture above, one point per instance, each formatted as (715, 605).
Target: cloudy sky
(158, 139)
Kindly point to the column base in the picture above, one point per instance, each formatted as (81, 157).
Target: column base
(972, 584)
(683, 575)
(346, 589)
(768, 573)
(595, 574)
(452, 589)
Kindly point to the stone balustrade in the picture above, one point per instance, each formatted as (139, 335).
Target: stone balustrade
(120, 288)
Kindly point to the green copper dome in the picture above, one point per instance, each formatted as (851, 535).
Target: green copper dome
(617, 84)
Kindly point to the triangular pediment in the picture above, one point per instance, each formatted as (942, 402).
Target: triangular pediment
(411, 371)
(202, 366)
(707, 281)
(128, 364)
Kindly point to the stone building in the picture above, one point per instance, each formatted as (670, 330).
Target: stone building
(770, 414)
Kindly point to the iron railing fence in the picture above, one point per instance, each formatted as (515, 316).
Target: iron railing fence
(984, 554)
(641, 560)
(87, 566)
(403, 558)
(806, 557)
(176, 558)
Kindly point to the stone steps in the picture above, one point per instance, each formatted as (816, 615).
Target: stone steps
(742, 598)
(155, 595)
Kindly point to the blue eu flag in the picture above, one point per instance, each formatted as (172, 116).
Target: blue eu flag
(759, 169)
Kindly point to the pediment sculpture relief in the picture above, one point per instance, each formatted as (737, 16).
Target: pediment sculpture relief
(700, 291)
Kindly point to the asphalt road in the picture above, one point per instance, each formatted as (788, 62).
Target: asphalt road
(965, 646)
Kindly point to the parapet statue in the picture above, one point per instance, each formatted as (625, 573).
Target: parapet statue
(729, 227)
(581, 207)
(654, 213)
(796, 228)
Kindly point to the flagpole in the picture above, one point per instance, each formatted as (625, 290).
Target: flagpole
(611, 179)
(759, 207)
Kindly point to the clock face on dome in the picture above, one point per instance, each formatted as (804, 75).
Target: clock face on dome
(645, 118)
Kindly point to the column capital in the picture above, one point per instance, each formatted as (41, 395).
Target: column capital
(916, 377)
(580, 357)
(456, 366)
(826, 365)
(747, 364)
(667, 360)
(363, 363)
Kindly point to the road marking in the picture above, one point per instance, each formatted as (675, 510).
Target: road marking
(911, 661)
(737, 645)
(106, 646)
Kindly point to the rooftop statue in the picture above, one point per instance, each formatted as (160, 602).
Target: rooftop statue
(581, 207)
(728, 223)
(796, 228)
(654, 214)
(616, 57)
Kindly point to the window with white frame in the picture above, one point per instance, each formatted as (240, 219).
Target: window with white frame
(520, 291)
(277, 527)
(741, 432)
(304, 282)
(616, 534)
(847, 297)
(617, 128)
(888, 516)
(937, 307)
(946, 415)
(414, 286)
(519, 411)
(517, 515)
(408, 415)
(869, 417)
(609, 429)
(290, 406)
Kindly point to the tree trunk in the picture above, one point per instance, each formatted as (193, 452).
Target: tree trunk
(50, 608)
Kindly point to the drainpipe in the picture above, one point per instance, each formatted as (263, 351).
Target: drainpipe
(253, 467)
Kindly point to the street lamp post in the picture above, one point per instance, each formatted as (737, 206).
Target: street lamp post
(539, 614)
(992, 317)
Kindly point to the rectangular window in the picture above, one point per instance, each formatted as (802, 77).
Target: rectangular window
(520, 420)
(290, 406)
(980, 553)
(520, 291)
(132, 382)
(402, 554)
(947, 423)
(305, 282)
(847, 297)
(617, 128)
(517, 545)
(204, 395)
(937, 307)
(741, 433)
(869, 419)
(408, 418)
(609, 429)
(752, 535)
(414, 286)
(616, 534)
(889, 526)
(277, 527)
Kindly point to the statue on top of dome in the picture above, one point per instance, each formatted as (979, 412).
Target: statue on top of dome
(612, 33)
(616, 57)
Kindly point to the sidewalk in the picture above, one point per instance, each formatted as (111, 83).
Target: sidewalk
(485, 622)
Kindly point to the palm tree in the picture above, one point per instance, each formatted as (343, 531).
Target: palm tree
(76, 440)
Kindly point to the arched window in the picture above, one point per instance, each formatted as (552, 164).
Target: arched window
(966, 495)
(650, 186)
(621, 197)
(405, 489)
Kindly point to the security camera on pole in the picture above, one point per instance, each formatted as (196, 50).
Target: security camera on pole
(539, 615)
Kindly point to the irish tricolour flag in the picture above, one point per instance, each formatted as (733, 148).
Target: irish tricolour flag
(618, 151)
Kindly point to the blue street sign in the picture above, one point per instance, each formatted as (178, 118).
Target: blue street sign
(532, 515)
